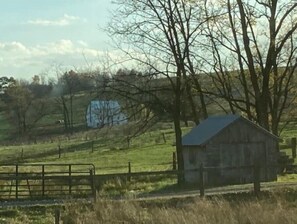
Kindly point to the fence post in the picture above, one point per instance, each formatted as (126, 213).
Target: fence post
(22, 155)
(293, 146)
(92, 144)
(16, 181)
(201, 180)
(57, 216)
(257, 186)
(42, 174)
(70, 180)
(173, 161)
(92, 182)
(129, 171)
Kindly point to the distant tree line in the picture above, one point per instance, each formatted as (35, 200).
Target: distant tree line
(25, 103)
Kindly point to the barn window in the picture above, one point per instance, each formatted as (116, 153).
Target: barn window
(192, 157)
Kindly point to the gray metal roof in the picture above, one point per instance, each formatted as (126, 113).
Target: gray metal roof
(208, 129)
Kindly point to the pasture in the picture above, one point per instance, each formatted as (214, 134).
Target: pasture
(107, 149)
(110, 150)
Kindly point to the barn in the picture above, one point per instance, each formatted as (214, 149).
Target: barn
(102, 113)
(221, 142)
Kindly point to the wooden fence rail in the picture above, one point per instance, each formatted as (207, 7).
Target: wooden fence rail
(254, 169)
(35, 181)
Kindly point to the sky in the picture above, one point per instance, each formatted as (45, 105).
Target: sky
(41, 37)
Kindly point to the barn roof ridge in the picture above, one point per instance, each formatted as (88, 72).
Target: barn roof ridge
(212, 126)
(259, 127)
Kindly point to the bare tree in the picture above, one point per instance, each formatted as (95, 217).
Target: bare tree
(253, 45)
(24, 106)
(19, 100)
(67, 86)
(161, 37)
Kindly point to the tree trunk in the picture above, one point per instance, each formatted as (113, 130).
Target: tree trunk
(71, 113)
(201, 97)
(262, 112)
(178, 146)
(65, 114)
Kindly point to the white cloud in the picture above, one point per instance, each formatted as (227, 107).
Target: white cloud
(17, 58)
(82, 43)
(63, 21)
(66, 16)
(58, 48)
(64, 47)
(13, 47)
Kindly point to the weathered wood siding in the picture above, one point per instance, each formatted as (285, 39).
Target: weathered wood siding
(193, 157)
(239, 144)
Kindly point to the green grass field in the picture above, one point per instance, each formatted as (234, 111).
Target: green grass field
(150, 151)
(107, 149)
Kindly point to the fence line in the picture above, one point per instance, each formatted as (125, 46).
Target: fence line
(255, 172)
(49, 181)
(46, 181)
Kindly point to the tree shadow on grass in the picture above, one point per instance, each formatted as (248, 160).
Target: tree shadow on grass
(170, 190)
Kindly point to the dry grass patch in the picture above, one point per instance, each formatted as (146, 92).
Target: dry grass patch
(274, 209)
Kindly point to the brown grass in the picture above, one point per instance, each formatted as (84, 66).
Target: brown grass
(273, 209)
(277, 207)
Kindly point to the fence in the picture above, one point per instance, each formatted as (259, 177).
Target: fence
(44, 181)
(245, 176)
(52, 181)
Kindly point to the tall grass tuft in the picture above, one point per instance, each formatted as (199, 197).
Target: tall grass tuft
(272, 210)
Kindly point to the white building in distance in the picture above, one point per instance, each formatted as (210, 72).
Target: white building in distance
(102, 113)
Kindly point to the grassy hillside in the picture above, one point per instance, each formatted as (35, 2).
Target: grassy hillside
(46, 126)
(106, 148)
(80, 103)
